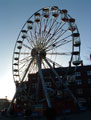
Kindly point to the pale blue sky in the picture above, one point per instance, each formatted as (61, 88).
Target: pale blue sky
(14, 13)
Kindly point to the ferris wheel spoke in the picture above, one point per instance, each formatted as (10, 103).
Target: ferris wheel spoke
(57, 25)
(63, 43)
(48, 33)
(34, 68)
(25, 53)
(56, 32)
(24, 64)
(54, 41)
(45, 66)
(55, 64)
(45, 26)
(35, 32)
(51, 26)
(51, 35)
(60, 27)
(53, 45)
(22, 67)
(26, 46)
(66, 53)
(31, 42)
(32, 38)
(40, 27)
(60, 35)
(63, 39)
(24, 59)
(40, 30)
(25, 73)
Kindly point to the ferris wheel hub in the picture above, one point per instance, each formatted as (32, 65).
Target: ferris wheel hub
(40, 53)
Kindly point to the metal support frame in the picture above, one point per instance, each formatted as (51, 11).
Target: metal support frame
(69, 91)
(20, 85)
(43, 83)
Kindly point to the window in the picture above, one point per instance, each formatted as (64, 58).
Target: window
(77, 74)
(88, 73)
(89, 81)
(79, 82)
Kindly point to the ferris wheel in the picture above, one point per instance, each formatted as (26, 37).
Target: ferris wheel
(49, 38)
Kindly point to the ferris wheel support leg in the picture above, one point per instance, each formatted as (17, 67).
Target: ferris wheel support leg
(69, 91)
(27, 69)
(43, 83)
(10, 106)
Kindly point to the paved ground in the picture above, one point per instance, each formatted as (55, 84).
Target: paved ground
(77, 116)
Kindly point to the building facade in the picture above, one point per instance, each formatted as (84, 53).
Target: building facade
(78, 80)
(4, 104)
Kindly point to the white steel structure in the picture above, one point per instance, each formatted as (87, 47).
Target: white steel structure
(48, 37)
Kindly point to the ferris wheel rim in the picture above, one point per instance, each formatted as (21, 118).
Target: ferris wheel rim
(24, 26)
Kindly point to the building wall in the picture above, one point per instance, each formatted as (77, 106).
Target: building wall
(4, 103)
(78, 81)
(83, 79)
